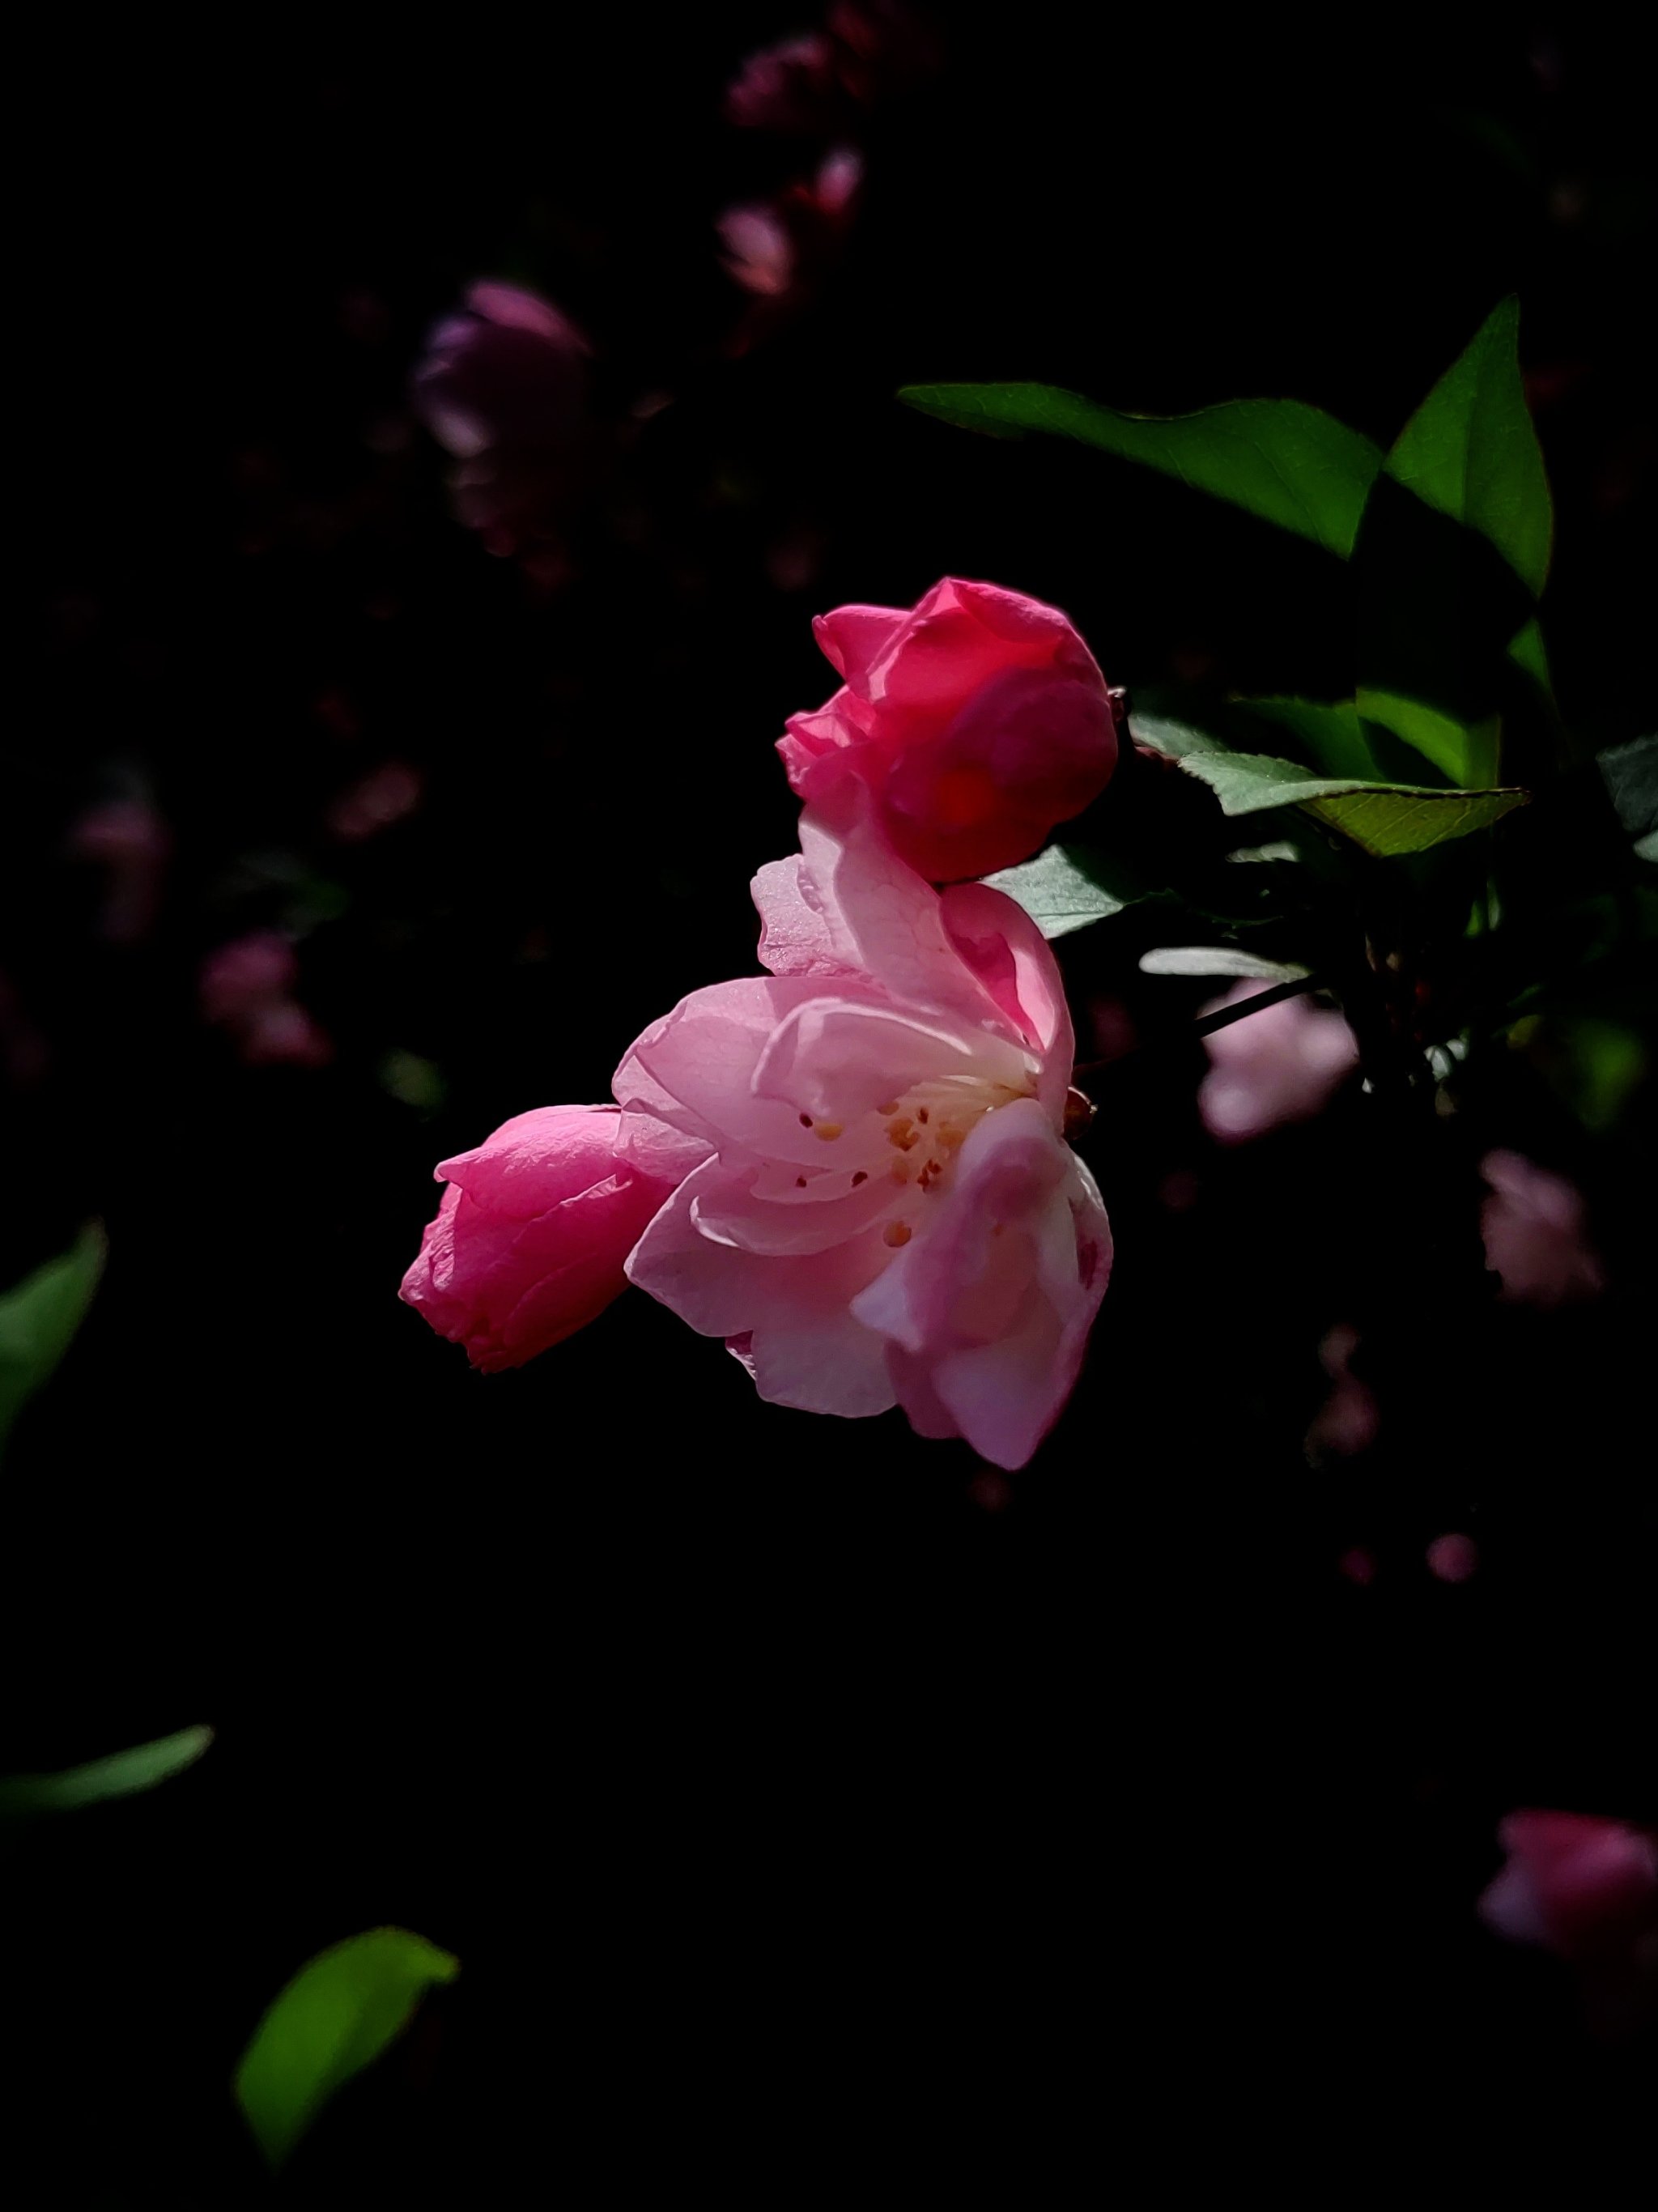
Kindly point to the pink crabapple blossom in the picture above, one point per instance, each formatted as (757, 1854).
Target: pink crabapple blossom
(976, 720)
(879, 1206)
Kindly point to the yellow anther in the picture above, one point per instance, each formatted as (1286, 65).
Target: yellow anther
(895, 1232)
(828, 1131)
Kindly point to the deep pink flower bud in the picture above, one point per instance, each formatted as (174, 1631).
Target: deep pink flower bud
(530, 1240)
(503, 387)
(977, 720)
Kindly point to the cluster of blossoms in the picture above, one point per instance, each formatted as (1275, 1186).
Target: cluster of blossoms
(853, 1169)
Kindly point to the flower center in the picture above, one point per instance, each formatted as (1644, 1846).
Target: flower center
(927, 1127)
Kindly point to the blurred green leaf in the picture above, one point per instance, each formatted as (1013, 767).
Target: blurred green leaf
(1470, 451)
(1630, 774)
(1466, 756)
(1529, 653)
(335, 2016)
(1279, 458)
(39, 1316)
(1061, 889)
(1333, 735)
(1382, 818)
(121, 1775)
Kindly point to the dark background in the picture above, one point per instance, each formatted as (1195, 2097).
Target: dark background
(811, 1809)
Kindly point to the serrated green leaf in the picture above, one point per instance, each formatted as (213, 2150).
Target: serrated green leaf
(39, 1316)
(1059, 891)
(121, 1775)
(1470, 451)
(1279, 458)
(1382, 818)
(335, 2016)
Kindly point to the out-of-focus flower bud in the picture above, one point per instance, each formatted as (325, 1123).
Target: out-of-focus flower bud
(976, 720)
(790, 86)
(130, 838)
(503, 385)
(1532, 1226)
(247, 988)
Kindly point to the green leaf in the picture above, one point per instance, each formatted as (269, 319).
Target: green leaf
(1630, 774)
(1332, 734)
(39, 1319)
(1279, 458)
(1464, 754)
(1059, 891)
(120, 1775)
(1218, 960)
(1470, 451)
(335, 2016)
(1382, 818)
(1529, 654)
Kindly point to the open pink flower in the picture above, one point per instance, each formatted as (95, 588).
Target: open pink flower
(886, 1211)
(1283, 1064)
(529, 1240)
(977, 720)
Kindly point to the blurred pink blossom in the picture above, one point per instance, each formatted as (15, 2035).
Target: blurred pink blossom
(1283, 1064)
(1533, 1223)
(503, 385)
(1453, 1558)
(385, 795)
(794, 86)
(780, 248)
(1585, 1888)
(975, 720)
(1346, 1422)
(246, 987)
(131, 839)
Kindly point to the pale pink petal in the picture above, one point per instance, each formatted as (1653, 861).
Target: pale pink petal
(987, 1309)
(1015, 965)
(774, 1302)
(841, 1059)
(695, 1069)
(738, 1209)
(795, 937)
(832, 1365)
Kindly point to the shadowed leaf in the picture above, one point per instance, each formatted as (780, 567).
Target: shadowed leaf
(335, 2016)
(1470, 451)
(1278, 459)
(1382, 818)
(39, 1316)
(121, 1775)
